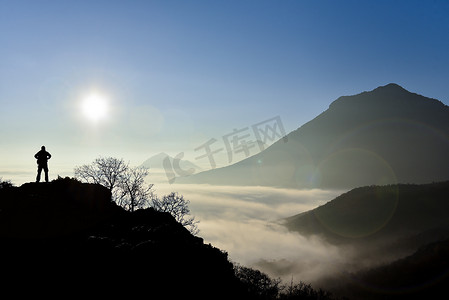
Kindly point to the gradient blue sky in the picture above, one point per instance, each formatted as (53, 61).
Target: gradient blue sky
(177, 73)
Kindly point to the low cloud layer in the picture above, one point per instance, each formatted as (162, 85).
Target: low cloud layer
(244, 221)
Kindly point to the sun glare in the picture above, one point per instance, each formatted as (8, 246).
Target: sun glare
(95, 107)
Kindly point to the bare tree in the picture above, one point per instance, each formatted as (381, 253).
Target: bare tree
(128, 189)
(178, 207)
(134, 192)
(127, 185)
(104, 170)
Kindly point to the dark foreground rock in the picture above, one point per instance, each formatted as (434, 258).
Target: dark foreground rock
(66, 238)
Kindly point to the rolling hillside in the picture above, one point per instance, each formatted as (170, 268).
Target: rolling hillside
(392, 216)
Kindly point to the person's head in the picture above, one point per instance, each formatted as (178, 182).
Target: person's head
(43, 148)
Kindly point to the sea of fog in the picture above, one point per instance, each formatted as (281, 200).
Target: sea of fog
(245, 221)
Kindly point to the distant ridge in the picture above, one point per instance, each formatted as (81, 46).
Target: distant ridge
(390, 212)
(387, 135)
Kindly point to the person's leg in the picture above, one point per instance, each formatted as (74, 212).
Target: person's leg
(39, 171)
(46, 173)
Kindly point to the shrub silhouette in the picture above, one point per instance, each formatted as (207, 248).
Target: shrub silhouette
(258, 284)
(5, 184)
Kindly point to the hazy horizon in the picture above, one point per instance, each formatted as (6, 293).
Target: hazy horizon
(169, 77)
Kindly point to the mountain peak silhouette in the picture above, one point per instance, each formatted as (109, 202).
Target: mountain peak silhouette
(390, 95)
(384, 136)
(390, 88)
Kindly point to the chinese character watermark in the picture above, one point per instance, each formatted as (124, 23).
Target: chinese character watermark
(236, 142)
(170, 168)
(273, 126)
(209, 153)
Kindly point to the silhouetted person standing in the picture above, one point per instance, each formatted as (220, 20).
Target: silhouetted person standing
(42, 158)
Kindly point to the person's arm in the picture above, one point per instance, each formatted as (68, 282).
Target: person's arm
(36, 155)
(48, 155)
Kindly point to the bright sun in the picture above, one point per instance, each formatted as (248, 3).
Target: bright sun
(95, 107)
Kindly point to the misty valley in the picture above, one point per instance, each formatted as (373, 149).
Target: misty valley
(354, 204)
